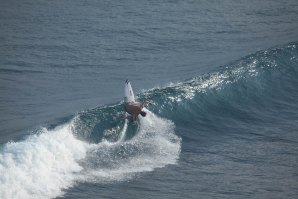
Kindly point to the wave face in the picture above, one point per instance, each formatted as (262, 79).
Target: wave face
(255, 93)
(258, 89)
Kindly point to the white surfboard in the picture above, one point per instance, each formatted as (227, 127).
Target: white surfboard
(128, 92)
(128, 97)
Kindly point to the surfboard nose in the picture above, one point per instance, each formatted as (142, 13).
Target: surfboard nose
(128, 92)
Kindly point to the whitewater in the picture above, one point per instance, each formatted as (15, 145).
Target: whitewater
(49, 161)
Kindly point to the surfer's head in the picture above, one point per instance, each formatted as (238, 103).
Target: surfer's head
(143, 113)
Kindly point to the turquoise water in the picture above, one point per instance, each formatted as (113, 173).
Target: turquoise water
(223, 76)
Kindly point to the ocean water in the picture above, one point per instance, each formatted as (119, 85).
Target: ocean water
(223, 76)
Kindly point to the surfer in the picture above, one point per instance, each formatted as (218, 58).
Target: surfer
(135, 108)
(132, 107)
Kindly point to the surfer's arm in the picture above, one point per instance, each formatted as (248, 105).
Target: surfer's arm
(146, 102)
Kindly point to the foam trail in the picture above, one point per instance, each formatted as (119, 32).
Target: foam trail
(122, 133)
(154, 146)
(42, 165)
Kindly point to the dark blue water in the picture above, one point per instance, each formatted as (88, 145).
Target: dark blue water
(223, 75)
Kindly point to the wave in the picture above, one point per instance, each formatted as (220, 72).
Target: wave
(99, 146)
(250, 90)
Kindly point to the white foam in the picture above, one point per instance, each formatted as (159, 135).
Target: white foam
(155, 146)
(46, 163)
(213, 81)
(122, 133)
(40, 166)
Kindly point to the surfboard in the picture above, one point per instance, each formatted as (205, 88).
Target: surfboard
(128, 92)
(128, 97)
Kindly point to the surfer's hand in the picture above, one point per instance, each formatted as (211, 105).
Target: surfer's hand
(150, 103)
(147, 102)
